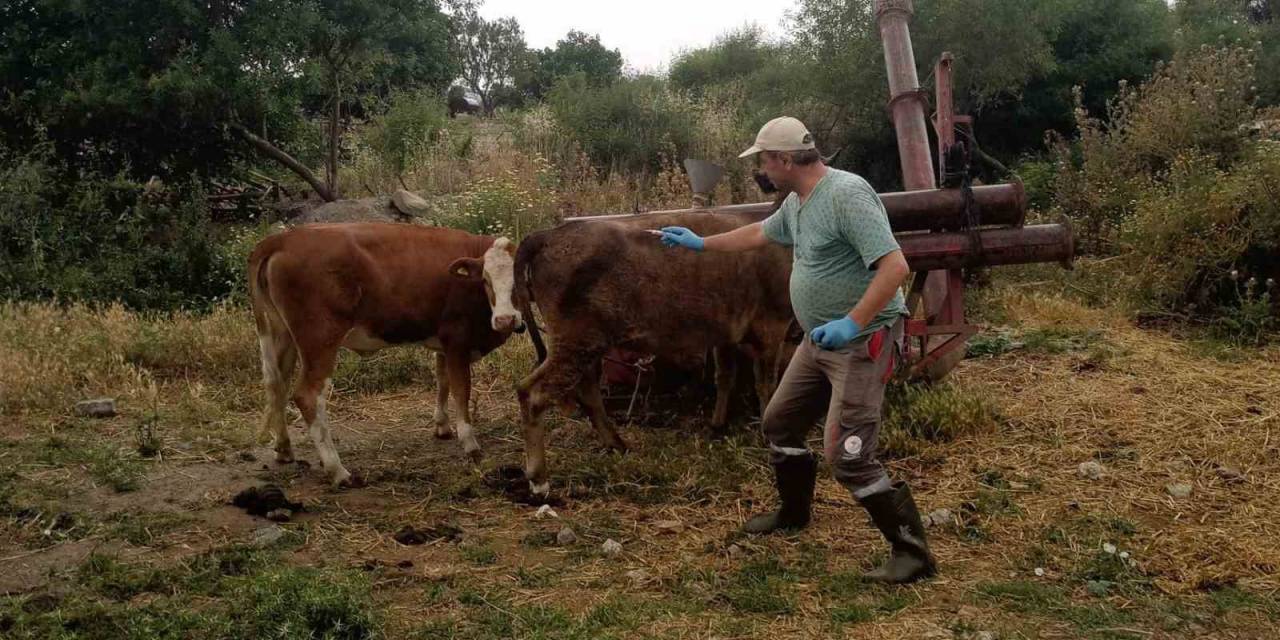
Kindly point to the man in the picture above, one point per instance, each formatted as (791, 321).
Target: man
(845, 283)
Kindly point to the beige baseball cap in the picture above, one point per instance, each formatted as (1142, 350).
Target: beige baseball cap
(781, 134)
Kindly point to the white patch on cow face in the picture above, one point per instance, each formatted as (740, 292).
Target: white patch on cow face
(499, 274)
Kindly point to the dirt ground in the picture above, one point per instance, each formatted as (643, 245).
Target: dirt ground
(1032, 548)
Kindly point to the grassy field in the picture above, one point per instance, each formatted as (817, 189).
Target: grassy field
(121, 527)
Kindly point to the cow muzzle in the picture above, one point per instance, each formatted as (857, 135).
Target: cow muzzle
(507, 324)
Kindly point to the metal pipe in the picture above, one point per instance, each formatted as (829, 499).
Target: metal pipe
(905, 100)
(907, 108)
(1038, 243)
(944, 117)
(932, 209)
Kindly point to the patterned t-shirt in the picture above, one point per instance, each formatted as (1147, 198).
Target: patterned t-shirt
(837, 234)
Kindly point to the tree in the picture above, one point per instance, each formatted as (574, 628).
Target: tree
(1016, 64)
(378, 45)
(178, 87)
(1094, 44)
(490, 51)
(576, 53)
(734, 55)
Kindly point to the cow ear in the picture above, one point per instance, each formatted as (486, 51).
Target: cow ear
(467, 268)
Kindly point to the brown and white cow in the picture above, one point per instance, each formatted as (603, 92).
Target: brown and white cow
(610, 283)
(366, 286)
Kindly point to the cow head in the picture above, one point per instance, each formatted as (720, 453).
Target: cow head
(497, 271)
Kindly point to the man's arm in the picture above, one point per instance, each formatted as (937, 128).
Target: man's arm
(740, 239)
(891, 271)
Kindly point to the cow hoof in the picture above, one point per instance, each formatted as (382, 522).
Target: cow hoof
(476, 455)
(444, 435)
(350, 482)
(345, 480)
(284, 457)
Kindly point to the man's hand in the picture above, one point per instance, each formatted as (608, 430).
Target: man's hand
(672, 236)
(836, 334)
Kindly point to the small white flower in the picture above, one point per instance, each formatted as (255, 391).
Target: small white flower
(1108, 547)
(1124, 555)
(1039, 572)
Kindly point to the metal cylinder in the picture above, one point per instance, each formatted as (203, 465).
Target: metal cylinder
(943, 209)
(992, 247)
(905, 100)
(931, 209)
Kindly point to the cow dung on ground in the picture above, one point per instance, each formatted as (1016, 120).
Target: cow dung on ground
(260, 501)
(409, 535)
(511, 481)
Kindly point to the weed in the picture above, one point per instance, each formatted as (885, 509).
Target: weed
(916, 414)
(147, 436)
(142, 528)
(305, 602)
(478, 554)
(384, 371)
(117, 469)
(761, 587)
(109, 577)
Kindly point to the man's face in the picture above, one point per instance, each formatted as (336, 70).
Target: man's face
(778, 167)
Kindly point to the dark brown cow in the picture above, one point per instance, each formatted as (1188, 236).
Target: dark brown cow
(366, 286)
(607, 283)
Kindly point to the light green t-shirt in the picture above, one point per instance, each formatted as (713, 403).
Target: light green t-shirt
(837, 236)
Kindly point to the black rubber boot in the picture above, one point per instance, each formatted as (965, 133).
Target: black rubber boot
(894, 513)
(795, 477)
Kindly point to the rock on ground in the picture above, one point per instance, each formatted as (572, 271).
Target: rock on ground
(96, 408)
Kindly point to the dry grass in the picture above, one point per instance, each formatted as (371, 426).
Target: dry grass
(552, 177)
(1153, 412)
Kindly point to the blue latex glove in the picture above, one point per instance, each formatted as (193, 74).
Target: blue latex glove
(672, 236)
(836, 334)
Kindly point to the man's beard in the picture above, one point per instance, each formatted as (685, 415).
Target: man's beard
(766, 185)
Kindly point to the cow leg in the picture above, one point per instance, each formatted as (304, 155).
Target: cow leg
(310, 398)
(279, 356)
(443, 431)
(765, 371)
(591, 400)
(726, 373)
(459, 373)
(551, 382)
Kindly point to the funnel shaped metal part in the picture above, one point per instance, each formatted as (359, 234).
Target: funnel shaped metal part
(703, 175)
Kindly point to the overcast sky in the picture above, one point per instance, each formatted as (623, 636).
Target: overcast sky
(648, 33)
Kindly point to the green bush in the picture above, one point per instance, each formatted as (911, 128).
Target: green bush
(1194, 107)
(502, 206)
(412, 122)
(1178, 186)
(628, 126)
(100, 238)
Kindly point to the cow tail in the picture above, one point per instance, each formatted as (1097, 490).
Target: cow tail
(259, 297)
(273, 333)
(526, 255)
